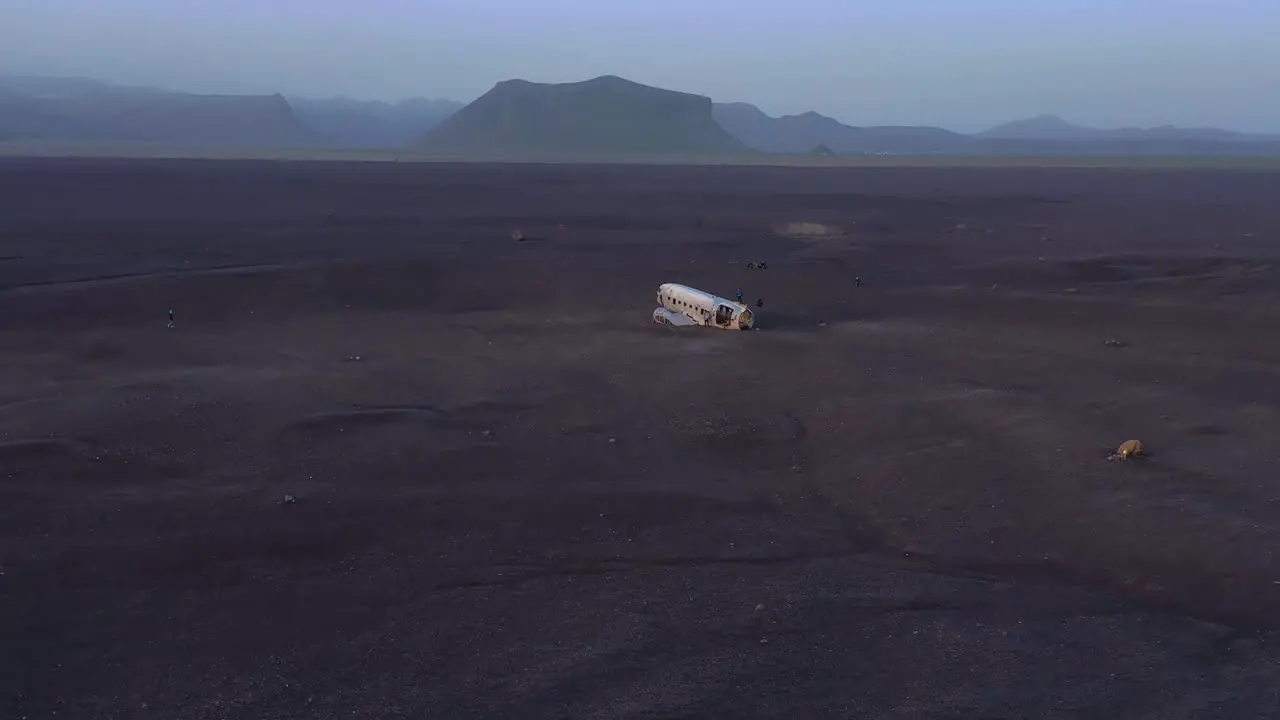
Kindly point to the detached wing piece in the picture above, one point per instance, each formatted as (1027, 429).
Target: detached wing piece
(663, 316)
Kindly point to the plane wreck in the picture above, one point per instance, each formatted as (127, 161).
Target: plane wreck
(683, 306)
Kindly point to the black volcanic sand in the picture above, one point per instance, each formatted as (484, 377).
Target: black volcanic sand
(515, 497)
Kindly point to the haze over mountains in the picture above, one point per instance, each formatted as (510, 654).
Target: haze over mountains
(83, 110)
(603, 116)
(1052, 127)
(371, 124)
(79, 110)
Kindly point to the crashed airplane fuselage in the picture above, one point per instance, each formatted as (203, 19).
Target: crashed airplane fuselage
(683, 306)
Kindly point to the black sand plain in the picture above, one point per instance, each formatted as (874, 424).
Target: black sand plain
(512, 496)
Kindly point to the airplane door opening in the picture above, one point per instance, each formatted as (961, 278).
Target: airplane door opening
(723, 315)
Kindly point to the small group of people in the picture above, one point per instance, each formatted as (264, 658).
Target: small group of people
(755, 265)
(759, 300)
(857, 282)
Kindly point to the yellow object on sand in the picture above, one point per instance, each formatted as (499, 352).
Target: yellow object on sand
(1128, 449)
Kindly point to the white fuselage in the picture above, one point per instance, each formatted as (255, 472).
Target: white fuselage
(702, 308)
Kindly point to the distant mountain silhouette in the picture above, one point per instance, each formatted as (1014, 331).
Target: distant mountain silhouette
(1054, 128)
(801, 133)
(1041, 127)
(604, 116)
(346, 123)
(89, 111)
(1044, 135)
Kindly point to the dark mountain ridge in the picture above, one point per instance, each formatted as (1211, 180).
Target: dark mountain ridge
(607, 115)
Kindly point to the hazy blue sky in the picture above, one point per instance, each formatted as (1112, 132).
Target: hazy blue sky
(964, 64)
